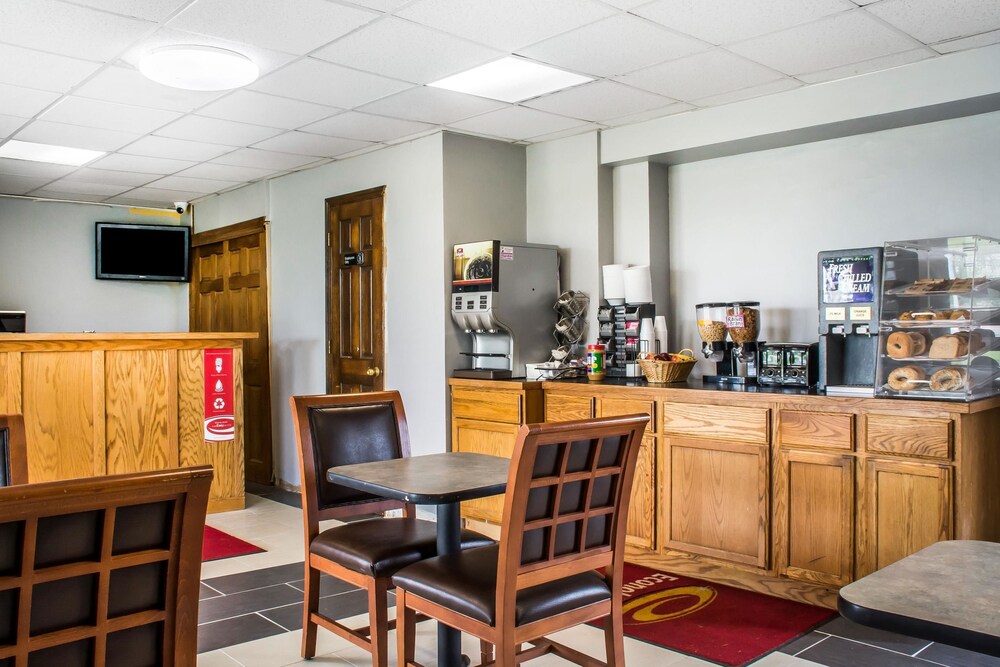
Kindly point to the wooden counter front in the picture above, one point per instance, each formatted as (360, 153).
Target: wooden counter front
(99, 404)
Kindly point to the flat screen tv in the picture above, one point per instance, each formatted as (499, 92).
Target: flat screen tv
(143, 252)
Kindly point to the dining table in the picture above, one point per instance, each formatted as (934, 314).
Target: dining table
(443, 480)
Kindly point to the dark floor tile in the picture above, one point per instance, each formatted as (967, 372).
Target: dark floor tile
(802, 643)
(335, 607)
(841, 627)
(268, 576)
(247, 602)
(275, 493)
(212, 636)
(956, 657)
(837, 652)
(205, 593)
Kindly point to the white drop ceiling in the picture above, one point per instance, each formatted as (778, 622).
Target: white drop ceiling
(341, 78)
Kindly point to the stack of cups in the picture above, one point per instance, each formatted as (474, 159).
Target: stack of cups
(660, 332)
(614, 283)
(638, 285)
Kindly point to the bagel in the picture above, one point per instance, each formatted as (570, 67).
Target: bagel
(948, 379)
(903, 344)
(906, 378)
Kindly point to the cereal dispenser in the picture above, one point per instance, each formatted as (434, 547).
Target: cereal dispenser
(736, 358)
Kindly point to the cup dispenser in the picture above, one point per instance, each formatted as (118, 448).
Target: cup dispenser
(501, 297)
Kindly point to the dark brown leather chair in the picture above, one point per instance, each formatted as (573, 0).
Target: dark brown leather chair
(109, 566)
(13, 451)
(564, 518)
(337, 430)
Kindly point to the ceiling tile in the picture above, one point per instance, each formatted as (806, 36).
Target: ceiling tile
(671, 110)
(517, 123)
(934, 21)
(701, 75)
(873, 65)
(176, 149)
(150, 165)
(161, 196)
(74, 187)
(726, 21)
(266, 60)
(48, 193)
(380, 5)
(130, 178)
(12, 184)
(831, 42)
(625, 4)
(406, 50)
(225, 172)
(45, 170)
(298, 28)
(214, 130)
(247, 106)
(46, 71)
(187, 184)
(366, 127)
(24, 102)
(599, 101)
(10, 124)
(769, 88)
(304, 143)
(61, 134)
(254, 157)
(59, 27)
(325, 83)
(151, 10)
(128, 86)
(431, 105)
(108, 115)
(597, 48)
(974, 42)
(508, 25)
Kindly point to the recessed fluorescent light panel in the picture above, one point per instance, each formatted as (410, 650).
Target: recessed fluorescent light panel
(510, 80)
(28, 150)
(193, 67)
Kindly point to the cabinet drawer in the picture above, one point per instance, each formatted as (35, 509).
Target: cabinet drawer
(816, 429)
(618, 407)
(718, 422)
(910, 436)
(494, 406)
(560, 408)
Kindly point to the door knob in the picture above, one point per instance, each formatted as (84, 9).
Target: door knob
(373, 372)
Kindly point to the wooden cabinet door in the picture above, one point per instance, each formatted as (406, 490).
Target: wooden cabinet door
(484, 437)
(908, 506)
(717, 499)
(640, 526)
(814, 516)
(564, 408)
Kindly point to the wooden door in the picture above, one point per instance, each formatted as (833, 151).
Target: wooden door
(229, 293)
(355, 269)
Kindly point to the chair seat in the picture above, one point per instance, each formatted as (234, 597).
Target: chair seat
(380, 547)
(467, 583)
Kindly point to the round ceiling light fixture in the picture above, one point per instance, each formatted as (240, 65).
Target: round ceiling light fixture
(194, 67)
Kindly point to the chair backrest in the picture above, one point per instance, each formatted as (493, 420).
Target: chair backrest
(567, 501)
(102, 570)
(13, 451)
(340, 429)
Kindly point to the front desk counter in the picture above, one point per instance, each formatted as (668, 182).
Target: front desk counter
(777, 490)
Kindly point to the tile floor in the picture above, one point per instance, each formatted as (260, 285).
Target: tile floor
(251, 613)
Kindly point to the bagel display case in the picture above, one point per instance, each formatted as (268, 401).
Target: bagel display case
(939, 327)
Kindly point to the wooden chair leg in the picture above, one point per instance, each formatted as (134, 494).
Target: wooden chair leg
(378, 621)
(614, 639)
(406, 630)
(506, 651)
(311, 605)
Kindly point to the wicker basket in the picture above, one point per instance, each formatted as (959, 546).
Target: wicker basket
(661, 372)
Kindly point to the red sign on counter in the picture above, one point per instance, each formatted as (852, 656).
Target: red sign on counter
(220, 422)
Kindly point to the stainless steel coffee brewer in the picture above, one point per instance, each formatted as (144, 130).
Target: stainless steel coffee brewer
(502, 296)
(735, 359)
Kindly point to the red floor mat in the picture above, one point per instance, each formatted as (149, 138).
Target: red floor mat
(218, 545)
(726, 625)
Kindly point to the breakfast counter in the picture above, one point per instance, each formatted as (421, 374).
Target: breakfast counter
(782, 491)
(97, 404)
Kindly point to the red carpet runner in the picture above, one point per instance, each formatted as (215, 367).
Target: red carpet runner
(218, 545)
(727, 625)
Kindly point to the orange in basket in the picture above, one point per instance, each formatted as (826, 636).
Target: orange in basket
(662, 372)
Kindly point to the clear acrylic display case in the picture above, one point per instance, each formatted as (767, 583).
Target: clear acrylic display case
(939, 325)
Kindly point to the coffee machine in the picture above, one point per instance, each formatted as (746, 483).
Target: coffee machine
(850, 293)
(736, 358)
(502, 296)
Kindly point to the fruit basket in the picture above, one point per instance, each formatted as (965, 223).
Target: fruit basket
(675, 368)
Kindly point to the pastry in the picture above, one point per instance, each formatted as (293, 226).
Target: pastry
(905, 318)
(942, 314)
(949, 347)
(923, 315)
(960, 314)
(906, 378)
(960, 285)
(948, 379)
(903, 344)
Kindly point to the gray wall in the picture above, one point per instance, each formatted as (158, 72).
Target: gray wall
(47, 269)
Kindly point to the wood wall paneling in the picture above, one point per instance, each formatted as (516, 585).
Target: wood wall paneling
(141, 399)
